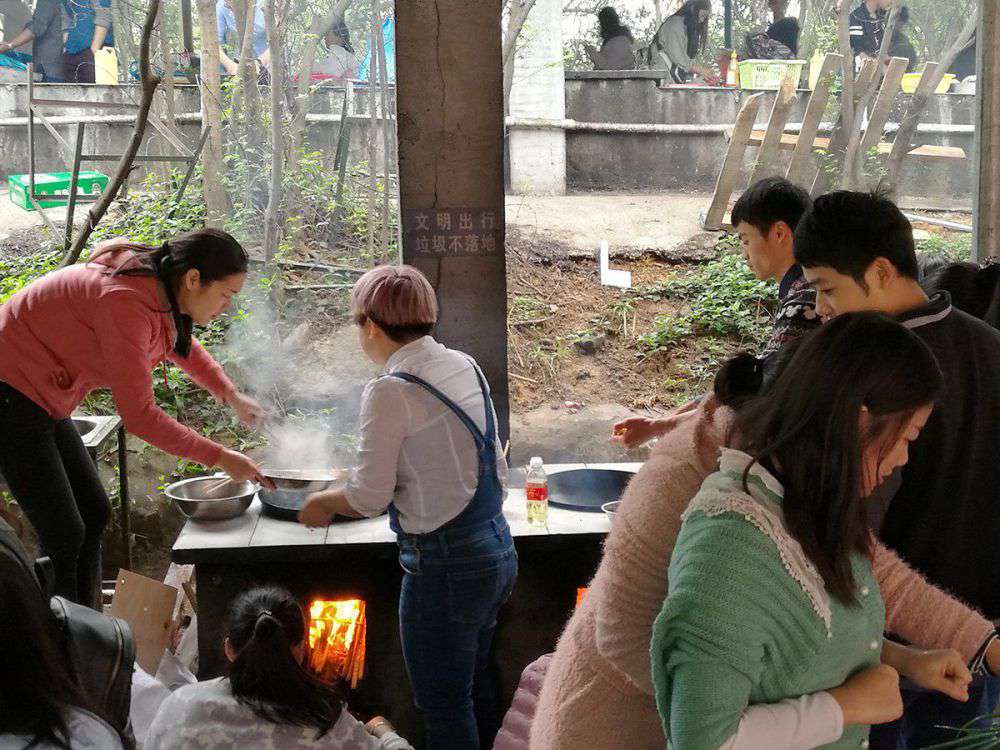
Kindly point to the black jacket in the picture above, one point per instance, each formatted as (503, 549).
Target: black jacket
(945, 518)
(866, 31)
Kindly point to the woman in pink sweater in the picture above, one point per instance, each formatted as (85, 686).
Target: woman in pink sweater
(106, 324)
(598, 691)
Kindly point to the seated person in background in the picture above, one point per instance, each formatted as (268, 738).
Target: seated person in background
(616, 51)
(269, 699)
(229, 36)
(339, 60)
(784, 29)
(965, 64)
(41, 706)
(679, 41)
(900, 46)
(46, 31)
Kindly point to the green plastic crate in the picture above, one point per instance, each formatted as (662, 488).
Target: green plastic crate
(52, 183)
(768, 74)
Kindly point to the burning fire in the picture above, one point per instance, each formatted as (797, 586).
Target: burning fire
(337, 640)
(580, 594)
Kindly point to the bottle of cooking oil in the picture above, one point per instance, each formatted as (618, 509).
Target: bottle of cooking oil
(733, 72)
(536, 487)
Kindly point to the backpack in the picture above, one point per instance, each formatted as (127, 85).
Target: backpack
(99, 649)
(762, 47)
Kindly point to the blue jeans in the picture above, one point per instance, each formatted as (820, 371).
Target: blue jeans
(925, 712)
(454, 584)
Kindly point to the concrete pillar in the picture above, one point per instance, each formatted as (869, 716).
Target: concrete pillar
(988, 134)
(450, 128)
(538, 157)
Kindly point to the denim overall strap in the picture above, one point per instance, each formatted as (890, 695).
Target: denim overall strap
(487, 503)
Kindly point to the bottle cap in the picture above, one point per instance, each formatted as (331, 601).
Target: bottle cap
(536, 463)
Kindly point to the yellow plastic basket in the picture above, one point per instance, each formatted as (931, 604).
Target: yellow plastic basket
(911, 80)
(768, 74)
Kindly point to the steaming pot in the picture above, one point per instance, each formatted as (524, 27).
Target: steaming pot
(293, 486)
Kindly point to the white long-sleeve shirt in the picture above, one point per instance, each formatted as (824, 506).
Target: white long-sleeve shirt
(414, 451)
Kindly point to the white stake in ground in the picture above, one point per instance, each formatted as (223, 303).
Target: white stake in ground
(610, 277)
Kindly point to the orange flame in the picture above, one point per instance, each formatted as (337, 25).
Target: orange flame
(580, 594)
(337, 639)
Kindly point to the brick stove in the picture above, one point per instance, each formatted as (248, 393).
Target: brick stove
(357, 560)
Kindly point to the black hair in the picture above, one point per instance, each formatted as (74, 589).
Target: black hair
(805, 430)
(769, 201)
(265, 623)
(847, 231)
(786, 31)
(610, 25)
(697, 31)
(745, 376)
(35, 682)
(973, 289)
(213, 253)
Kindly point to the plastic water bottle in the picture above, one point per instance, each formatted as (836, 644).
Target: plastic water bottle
(536, 487)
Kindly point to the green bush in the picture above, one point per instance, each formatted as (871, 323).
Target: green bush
(722, 299)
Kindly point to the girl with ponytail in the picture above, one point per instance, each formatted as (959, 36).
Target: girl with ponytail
(106, 324)
(269, 700)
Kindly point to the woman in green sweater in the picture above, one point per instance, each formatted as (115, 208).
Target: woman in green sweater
(771, 635)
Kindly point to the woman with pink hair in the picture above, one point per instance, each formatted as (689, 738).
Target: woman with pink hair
(430, 456)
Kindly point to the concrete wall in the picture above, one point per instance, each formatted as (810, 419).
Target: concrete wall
(112, 138)
(538, 157)
(692, 161)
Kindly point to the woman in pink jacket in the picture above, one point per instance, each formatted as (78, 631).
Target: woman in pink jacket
(106, 324)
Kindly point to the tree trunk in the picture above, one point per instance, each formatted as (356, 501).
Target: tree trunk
(125, 164)
(853, 174)
(519, 10)
(216, 200)
(320, 25)
(249, 97)
(376, 29)
(272, 214)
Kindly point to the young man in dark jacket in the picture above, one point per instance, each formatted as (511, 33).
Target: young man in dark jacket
(866, 27)
(857, 252)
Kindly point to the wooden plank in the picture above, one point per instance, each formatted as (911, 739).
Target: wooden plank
(733, 163)
(790, 141)
(62, 142)
(818, 100)
(883, 103)
(148, 607)
(171, 135)
(923, 90)
(767, 156)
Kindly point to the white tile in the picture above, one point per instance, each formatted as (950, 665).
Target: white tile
(234, 532)
(275, 532)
